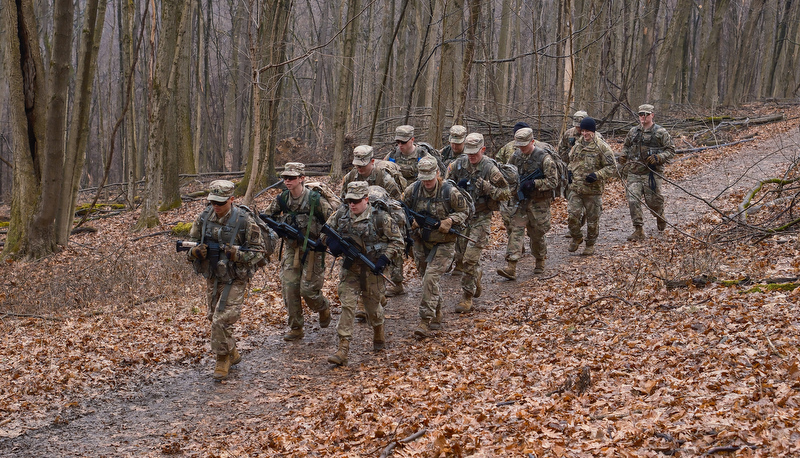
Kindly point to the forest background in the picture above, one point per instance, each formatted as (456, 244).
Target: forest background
(140, 94)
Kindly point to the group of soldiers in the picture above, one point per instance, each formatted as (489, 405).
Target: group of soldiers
(445, 200)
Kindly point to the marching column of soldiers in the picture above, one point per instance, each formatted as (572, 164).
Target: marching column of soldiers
(435, 205)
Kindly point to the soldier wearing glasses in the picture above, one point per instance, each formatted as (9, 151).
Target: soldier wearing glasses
(647, 149)
(306, 210)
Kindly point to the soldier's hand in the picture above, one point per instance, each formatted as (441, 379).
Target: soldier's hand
(528, 187)
(233, 253)
(652, 160)
(333, 246)
(381, 264)
(591, 178)
(445, 225)
(463, 183)
(414, 224)
(199, 252)
(484, 186)
(320, 245)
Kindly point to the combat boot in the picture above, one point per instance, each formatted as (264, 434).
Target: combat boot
(478, 287)
(223, 366)
(436, 322)
(510, 271)
(235, 356)
(340, 357)
(293, 334)
(466, 303)
(423, 329)
(539, 268)
(378, 338)
(396, 290)
(661, 223)
(325, 317)
(574, 244)
(637, 234)
(589, 250)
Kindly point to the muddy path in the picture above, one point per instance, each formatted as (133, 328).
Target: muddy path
(150, 416)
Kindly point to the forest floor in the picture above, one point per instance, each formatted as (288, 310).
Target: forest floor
(105, 345)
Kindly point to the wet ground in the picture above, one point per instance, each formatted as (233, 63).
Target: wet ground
(150, 416)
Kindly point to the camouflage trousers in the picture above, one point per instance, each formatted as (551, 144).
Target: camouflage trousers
(478, 228)
(507, 211)
(460, 247)
(535, 217)
(640, 188)
(431, 271)
(358, 281)
(302, 281)
(396, 269)
(222, 340)
(588, 206)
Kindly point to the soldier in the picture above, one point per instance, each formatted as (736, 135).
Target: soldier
(365, 170)
(378, 237)
(647, 148)
(508, 149)
(533, 211)
(229, 250)
(456, 147)
(478, 176)
(591, 164)
(306, 210)
(407, 153)
(433, 248)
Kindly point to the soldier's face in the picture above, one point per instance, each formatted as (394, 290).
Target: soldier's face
(587, 135)
(475, 158)
(221, 208)
(527, 149)
(457, 148)
(358, 208)
(293, 184)
(406, 147)
(365, 170)
(430, 184)
(646, 119)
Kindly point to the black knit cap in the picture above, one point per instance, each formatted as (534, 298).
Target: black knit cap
(520, 125)
(588, 123)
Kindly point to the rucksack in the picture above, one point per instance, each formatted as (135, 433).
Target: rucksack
(394, 171)
(447, 189)
(510, 174)
(561, 168)
(435, 153)
(325, 192)
(379, 198)
(269, 236)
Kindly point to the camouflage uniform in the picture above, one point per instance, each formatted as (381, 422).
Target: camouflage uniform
(644, 181)
(408, 164)
(302, 280)
(433, 251)
(377, 177)
(227, 281)
(533, 212)
(586, 199)
(375, 233)
(505, 153)
(568, 140)
(457, 135)
(484, 182)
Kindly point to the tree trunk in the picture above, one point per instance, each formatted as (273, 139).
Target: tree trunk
(344, 94)
(448, 64)
(469, 52)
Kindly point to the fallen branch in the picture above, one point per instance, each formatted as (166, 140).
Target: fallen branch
(728, 449)
(703, 148)
(388, 450)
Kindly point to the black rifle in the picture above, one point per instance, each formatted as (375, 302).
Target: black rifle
(289, 232)
(429, 223)
(213, 247)
(352, 253)
(535, 175)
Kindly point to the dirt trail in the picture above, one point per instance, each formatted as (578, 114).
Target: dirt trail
(150, 415)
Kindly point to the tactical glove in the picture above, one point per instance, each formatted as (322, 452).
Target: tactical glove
(483, 186)
(199, 252)
(652, 160)
(381, 264)
(569, 176)
(463, 183)
(334, 247)
(233, 253)
(320, 246)
(591, 178)
(528, 187)
(445, 225)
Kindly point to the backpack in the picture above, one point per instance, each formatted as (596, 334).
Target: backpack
(269, 236)
(447, 189)
(560, 166)
(394, 171)
(435, 153)
(380, 199)
(325, 192)
(510, 174)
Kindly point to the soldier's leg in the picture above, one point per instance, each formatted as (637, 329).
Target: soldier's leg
(349, 290)
(634, 192)
(420, 253)
(516, 237)
(372, 295)
(458, 257)
(313, 279)
(291, 273)
(431, 291)
(594, 207)
(222, 341)
(575, 214)
(654, 198)
(479, 230)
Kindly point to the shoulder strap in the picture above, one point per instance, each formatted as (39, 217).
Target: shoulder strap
(206, 213)
(282, 201)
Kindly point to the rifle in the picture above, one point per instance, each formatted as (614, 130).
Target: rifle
(181, 245)
(535, 175)
(428, 223)
(289, 232)
(352, 253)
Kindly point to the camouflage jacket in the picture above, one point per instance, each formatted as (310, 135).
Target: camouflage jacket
(237, 228)
(467, 176)
(505, 152)
(568, 140)
(408, 164)
(378, 177)
(296, 212)
(448, 155)
(436, 203)
(595, 157)
(640, 143)
(528, 163)
(374, 231)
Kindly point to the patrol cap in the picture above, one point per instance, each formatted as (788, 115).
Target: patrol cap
(646, 108)
(404, 133)
(523, 137)
(294, 169)
(357, 190)
(220, 190)
(362, 155)
(427, 168)
(578, 116)
(458, 134)
(473, 143)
